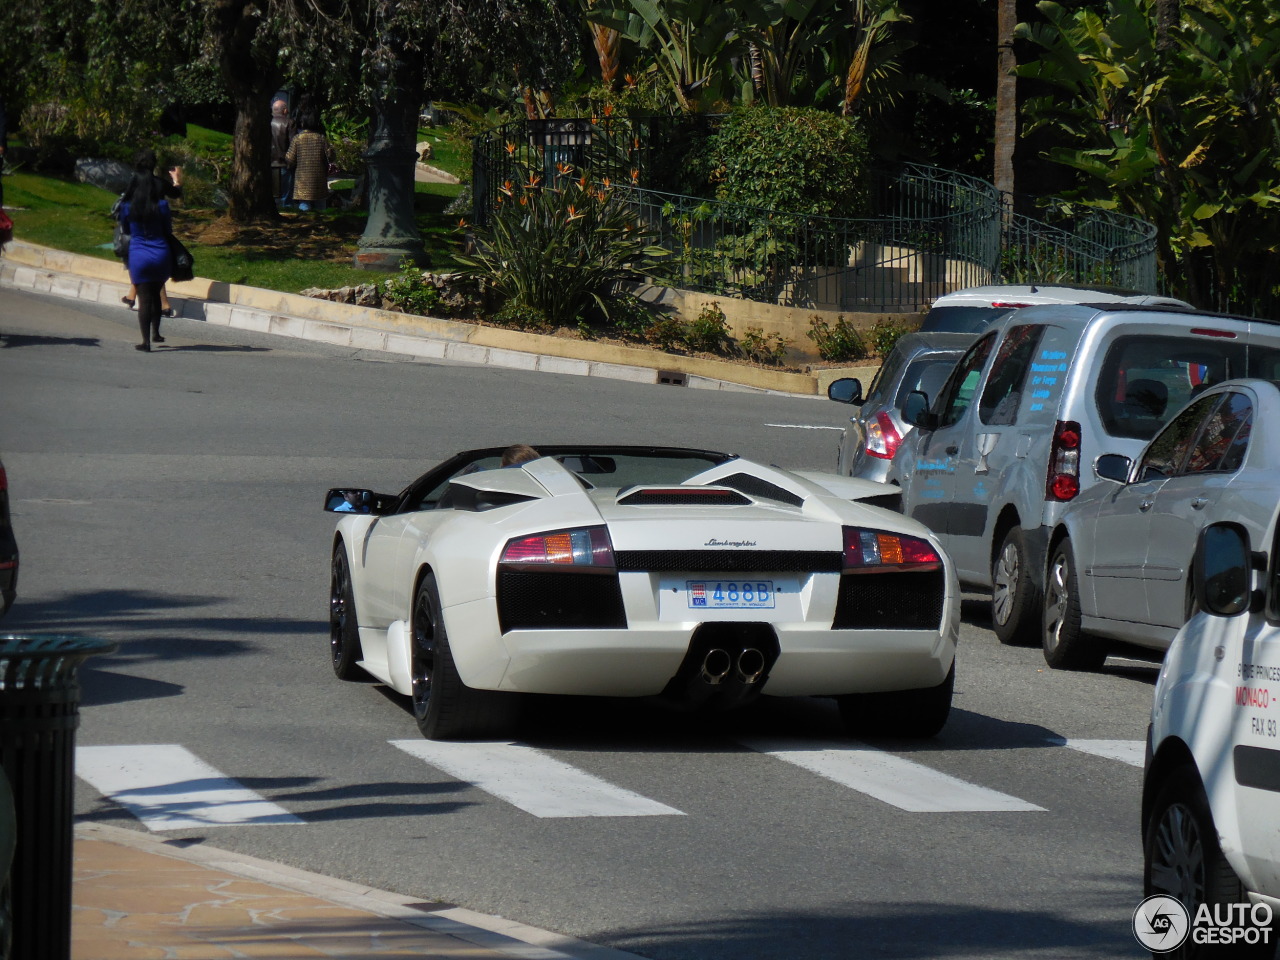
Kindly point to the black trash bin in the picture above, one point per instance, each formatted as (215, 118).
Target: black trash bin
(39, 713)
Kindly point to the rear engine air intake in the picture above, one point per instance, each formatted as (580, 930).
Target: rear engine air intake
(559, 599)
(892, 600)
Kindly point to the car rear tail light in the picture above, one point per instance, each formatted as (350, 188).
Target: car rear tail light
(1009, 306)
(1206, 332)
(583, 547)
(868, 551)
(883, 438)
(1064, 462)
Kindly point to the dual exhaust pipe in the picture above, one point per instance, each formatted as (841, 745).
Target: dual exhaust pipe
(748, 667)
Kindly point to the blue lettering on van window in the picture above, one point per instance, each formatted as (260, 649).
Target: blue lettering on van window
(1041, 394)
(1044, 368)
(1037, 406)
(1052, 355)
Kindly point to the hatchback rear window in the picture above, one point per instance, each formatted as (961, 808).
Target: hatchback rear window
(961, 319)
(1145, 379)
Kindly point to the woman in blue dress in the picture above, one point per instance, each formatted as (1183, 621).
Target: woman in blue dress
(146, 212)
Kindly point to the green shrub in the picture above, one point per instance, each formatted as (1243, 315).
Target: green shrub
(798, 160)
(560, 248)
(708, 332)
(413, 290)
(884, 334)
(837, 342)
(768, 349)
(631, 317)
(667, 333)
(522, 317)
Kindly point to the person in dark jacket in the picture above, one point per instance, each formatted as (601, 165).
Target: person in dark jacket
(150, 263)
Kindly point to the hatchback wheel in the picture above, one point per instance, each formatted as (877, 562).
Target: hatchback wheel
(1066, 646)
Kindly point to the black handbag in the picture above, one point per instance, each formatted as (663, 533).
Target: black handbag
(120, 241)
(184, 265)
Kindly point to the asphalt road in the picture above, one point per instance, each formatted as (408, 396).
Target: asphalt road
(172, 502)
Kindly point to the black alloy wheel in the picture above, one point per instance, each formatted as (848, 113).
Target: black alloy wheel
(423, 653)
(344, 633)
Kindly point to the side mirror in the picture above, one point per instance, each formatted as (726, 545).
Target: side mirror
(1113, 467)
(845, 390)
(915, 410)
(1222, 566)
(346, 500)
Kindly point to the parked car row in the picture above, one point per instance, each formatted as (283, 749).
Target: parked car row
(1110, 473)
(1070, 456)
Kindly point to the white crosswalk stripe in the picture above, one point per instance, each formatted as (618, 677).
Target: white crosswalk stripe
(168, 787)
(532, 780)
(895, 780)
(1132, 752)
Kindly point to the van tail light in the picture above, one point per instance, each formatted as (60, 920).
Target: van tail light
(583, 547)
(1064, 462)
(883, 438)
(874, 551)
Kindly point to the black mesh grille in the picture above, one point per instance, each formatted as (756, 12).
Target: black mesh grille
(679, 498)
(548, 599)
(760, 488)
(891, 601)
(817, 561)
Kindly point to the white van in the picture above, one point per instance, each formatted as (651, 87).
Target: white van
(1014, 432)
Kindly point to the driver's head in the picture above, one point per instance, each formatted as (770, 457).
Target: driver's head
(519, 453)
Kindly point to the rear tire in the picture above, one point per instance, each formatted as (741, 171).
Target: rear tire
(1014, 596)
(903, 713)
(1182, 858)
(444, 707)
(1066, 646)
(345, 652)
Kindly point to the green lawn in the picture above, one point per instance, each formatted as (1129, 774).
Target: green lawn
(76, 217)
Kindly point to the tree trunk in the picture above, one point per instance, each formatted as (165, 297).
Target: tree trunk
(1006, 129)
(251, 83)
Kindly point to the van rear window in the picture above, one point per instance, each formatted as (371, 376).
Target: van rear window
(1145, 380)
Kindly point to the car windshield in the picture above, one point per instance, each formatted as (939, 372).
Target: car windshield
(613, 467)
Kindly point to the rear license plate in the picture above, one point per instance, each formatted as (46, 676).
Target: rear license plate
(729, 594)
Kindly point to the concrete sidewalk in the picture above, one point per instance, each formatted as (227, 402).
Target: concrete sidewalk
(137, 897)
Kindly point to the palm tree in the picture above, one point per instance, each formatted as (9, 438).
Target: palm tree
(1006, 131)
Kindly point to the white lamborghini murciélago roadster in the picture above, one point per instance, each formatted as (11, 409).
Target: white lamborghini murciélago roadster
(690, 575)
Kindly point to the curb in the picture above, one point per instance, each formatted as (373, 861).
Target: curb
(481, 929)
(40, 269)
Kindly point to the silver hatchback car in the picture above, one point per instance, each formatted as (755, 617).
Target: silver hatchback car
(918, 361)
(1120, 555)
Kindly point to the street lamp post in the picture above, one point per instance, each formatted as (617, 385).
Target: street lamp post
(391, 233)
